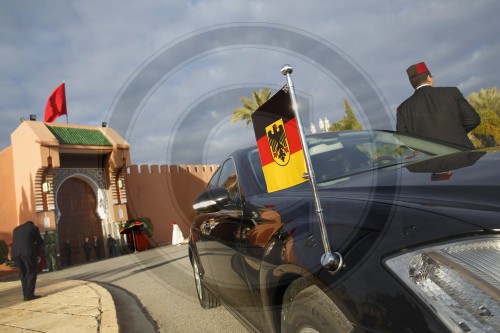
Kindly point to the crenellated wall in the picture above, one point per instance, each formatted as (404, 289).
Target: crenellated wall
(165, 194)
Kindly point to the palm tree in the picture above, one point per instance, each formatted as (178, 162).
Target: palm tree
(487, 103)
(250, 105)
(487, 134)
(488, 98)
(348, 122)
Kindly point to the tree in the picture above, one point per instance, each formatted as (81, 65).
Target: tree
(250, 105)
(487, 103)
(348, 122)
(488, 98)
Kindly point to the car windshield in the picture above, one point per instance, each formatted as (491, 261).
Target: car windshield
(337, 155)
(340, 154)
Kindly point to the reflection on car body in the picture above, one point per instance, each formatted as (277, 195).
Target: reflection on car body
(420, 255)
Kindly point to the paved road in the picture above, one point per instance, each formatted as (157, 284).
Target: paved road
(154, 292)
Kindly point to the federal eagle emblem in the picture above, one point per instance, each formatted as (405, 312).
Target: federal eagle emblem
(278, 143)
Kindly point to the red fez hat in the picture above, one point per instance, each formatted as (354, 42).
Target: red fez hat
(417, 69)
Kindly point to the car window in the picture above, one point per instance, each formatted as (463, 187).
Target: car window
(254, 158)
(228, 179)
(330, 164)
(346, 153)
(336, 155)
(215, 178)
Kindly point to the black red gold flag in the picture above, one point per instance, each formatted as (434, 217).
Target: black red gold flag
(278, 140)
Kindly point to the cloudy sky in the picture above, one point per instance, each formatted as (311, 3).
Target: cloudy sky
(167, 74)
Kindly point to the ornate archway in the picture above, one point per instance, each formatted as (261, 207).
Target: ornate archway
(78, 218)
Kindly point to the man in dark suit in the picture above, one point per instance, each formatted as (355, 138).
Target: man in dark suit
(26, 244)
(86, 249)
(439, 113)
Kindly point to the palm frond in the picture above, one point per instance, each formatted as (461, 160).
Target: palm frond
(250, 105)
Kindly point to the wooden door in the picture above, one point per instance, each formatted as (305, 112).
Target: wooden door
(77, 204)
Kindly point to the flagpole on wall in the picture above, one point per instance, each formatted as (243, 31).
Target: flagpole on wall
(333, 262)
(65, 99)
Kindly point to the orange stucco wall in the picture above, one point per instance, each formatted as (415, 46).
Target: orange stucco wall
(7, 202)
(31, 145)
(165, 194)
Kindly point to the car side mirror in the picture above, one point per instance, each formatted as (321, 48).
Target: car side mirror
(212, 200)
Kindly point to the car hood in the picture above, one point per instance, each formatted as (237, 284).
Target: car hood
(464, 185)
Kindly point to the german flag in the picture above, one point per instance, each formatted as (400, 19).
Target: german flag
(278, 140)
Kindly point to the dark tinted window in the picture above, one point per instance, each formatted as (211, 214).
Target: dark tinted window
(228, 179)
(254, 158)
(213, 181)
(340, 154)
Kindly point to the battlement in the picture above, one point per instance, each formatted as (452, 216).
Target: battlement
(173, 168)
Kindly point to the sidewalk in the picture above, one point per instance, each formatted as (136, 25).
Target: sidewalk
(65, 306)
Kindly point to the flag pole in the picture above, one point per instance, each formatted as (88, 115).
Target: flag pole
(65, 99)
(333, 262)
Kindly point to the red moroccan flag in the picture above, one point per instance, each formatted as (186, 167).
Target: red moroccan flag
(56, 104)
(278, 140)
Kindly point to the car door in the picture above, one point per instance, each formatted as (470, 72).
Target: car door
(202, 238)
(224, 248)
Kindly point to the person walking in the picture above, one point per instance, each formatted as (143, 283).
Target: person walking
(26, 245)
(86, 249)
(440, 113)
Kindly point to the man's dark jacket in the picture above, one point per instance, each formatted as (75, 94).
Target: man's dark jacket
(440, 113)
(26, 240)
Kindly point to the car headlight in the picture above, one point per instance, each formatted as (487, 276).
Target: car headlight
(460, 282)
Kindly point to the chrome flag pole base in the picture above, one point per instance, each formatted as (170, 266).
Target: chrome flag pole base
(333, 262)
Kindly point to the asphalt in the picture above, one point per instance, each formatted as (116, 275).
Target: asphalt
(64, 306)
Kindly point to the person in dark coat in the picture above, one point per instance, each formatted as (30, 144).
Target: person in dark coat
(86, 249)
(26, 245)
(97, 248)
(440, 113)
(111, 243)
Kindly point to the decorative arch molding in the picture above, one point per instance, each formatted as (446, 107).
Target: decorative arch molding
(96, 178)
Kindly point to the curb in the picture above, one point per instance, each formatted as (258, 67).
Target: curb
(108, 320)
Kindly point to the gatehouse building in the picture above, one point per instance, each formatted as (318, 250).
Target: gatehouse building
(77, 181)
(68, 179)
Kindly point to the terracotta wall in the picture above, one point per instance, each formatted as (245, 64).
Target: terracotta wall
(7, 202)
(165, 194)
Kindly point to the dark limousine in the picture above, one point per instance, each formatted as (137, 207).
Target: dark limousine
(416, 222)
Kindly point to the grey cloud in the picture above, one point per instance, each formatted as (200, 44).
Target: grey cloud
(96, 47)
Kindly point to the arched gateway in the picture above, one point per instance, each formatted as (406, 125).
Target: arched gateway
(69, 180)
(78, 218)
